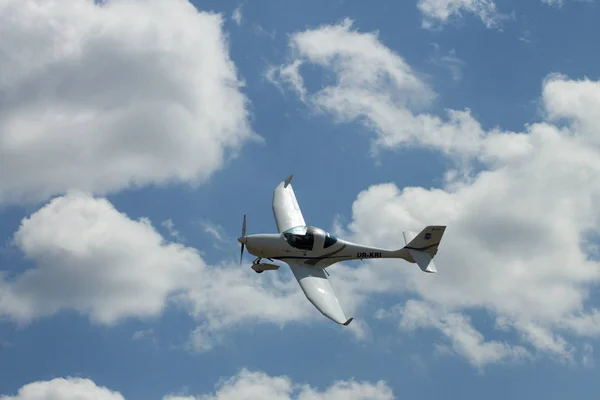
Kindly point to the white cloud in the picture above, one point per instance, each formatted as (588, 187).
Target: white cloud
(288, 75)
(575, 102)
(560, 3)
(525, 38)
(90, 258)
(588, 356)
(449, 61)
(214, 230)
(219, 237)
(97, 261)
(170, 226)
(363, 66)
(236, 16)
(230, 295)
(557, 3)
(100, 97)
(248, 385)
(260, 31)
(377, 87)
(64, 389)
(502, 251)
(138, 335)
(147, 336)
(440, 11)
(465, 340)
(517, 237)
(244, 385)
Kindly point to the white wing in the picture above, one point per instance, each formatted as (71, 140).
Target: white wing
(319, 292)
(285, 207)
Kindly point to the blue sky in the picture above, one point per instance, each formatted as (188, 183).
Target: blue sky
(513, 311)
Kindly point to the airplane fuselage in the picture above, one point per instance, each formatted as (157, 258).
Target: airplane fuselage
(313, 247)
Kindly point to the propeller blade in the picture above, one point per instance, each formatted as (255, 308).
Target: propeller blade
(243, 235)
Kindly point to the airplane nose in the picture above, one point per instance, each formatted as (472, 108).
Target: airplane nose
(242, 239)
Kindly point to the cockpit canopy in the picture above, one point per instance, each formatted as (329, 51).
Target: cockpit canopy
(303, 237)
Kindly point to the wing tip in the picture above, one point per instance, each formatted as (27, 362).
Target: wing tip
(348, 322)
(288, 180)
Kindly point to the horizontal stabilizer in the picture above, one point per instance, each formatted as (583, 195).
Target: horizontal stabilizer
(423, 260)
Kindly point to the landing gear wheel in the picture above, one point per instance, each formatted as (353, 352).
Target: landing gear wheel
(259, 272)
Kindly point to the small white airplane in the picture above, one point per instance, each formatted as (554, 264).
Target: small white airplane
(308, 250)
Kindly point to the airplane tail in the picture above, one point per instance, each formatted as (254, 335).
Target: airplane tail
(424, 246)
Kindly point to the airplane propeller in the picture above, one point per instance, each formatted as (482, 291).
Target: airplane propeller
(242, 241)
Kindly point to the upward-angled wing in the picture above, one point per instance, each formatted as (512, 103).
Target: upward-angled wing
(285, 207)
(318, 291)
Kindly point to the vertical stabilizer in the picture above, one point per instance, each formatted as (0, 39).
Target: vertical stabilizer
(424, 246)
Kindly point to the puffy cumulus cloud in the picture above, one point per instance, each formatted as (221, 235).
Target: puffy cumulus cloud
(90, 258)
(258, 385)
(437, 12)
(244, 385)
(101, 96)
(95, 260)
(64, 389)
(514, 242)
(574, 101)
(518, 239)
